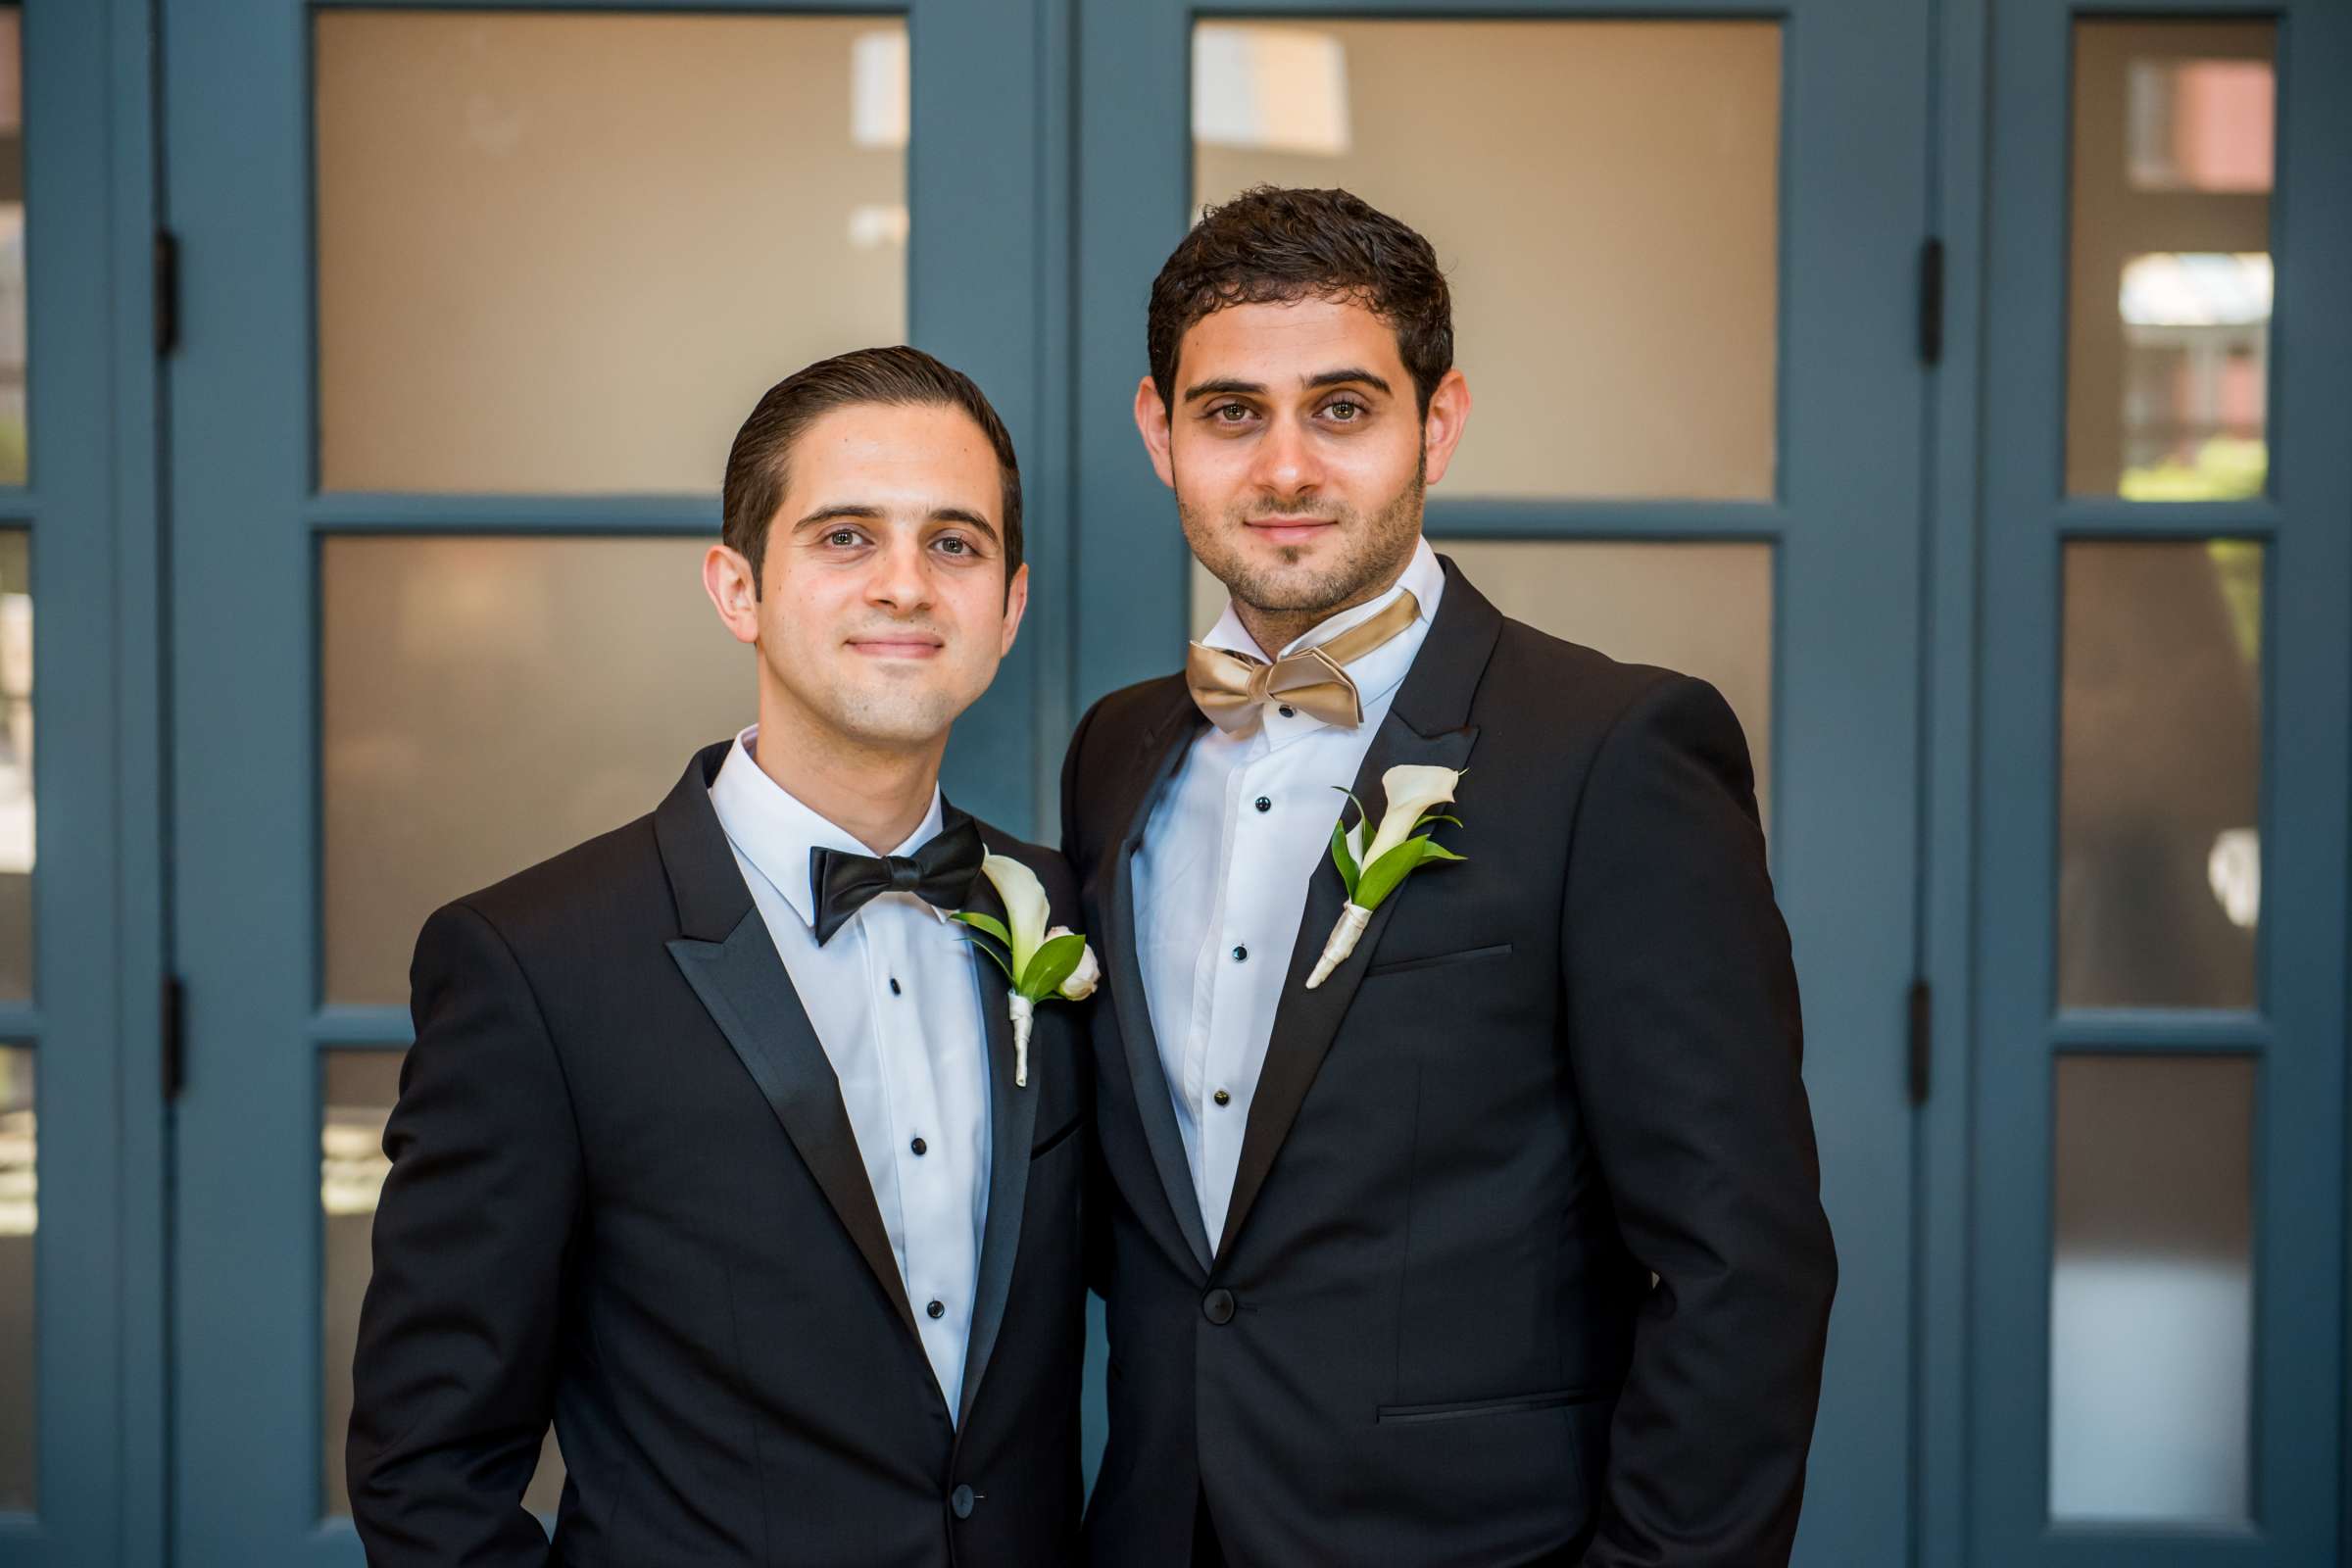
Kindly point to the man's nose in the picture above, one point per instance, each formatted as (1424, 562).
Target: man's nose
(1287, 464)
(901, 576)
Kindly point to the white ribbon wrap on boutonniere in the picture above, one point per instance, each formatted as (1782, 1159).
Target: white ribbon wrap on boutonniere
(1398, 848)
(1042, 964)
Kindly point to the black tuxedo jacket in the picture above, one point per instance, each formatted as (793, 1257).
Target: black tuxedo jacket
(625, 1194)
(1428, 1333)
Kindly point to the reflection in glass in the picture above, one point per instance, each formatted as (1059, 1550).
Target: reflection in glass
(19, 1221)
(566, 252)
(1701, 608)
(2159, 870)
(489, 701)
(12, 245)
(16, 765)
(2167, 371)
(359, 1090)
(2151, 1289)
(1604, 195)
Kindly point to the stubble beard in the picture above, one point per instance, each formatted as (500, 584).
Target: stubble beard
(1372, 553)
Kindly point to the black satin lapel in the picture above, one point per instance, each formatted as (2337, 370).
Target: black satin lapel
(1307, 1022)
(749, 995)
(1012, 1128)
(1152, 1103)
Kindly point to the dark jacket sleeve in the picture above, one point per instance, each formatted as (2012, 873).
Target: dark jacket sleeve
(1095, 1194)
(1685, 1041)
(453, 1379)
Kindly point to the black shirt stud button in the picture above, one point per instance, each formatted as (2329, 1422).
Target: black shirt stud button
(960, 1500)
(919, 1146)
(1239, 954)
(1217, 1306)
(1287, 710)
(1265, 802)
(894, 985)
(937, 1309)
(1222, 1098)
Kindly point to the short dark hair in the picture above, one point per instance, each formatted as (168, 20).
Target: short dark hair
(1271, 244)
(758, 466)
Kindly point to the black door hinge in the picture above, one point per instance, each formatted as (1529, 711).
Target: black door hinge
(167, 292)
(1921, 1041)
(175, 1036)
(1930, 301)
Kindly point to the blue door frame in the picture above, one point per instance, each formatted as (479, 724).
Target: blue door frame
(89, 510)
(1848, 527)
(247, 520)
(2294, 1035)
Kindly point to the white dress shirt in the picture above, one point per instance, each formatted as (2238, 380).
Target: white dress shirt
(1221, 878)
(895, 998)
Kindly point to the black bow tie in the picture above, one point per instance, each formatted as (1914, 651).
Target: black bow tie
(939, 873)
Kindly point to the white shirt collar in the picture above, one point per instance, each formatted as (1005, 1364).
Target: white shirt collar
(774, 830)
(1383, 670)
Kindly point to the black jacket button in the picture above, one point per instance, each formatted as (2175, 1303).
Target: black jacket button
(937, 1309)
(1217, 1306)
(961, 1499)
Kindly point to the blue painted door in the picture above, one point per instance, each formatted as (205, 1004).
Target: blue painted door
(2158, 1341)
(1174, 97)
(295, 530)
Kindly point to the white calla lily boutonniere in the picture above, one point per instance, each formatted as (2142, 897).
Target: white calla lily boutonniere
(1398, 847)
(1042, 962)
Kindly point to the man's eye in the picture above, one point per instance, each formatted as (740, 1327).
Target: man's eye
(956, 546)
(1344, 412)
(1229, 413)
(843, 537)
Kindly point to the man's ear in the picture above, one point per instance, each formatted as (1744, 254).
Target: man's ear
(1441, 426)
(1016, 604)
(734, 590)
(1152, 423)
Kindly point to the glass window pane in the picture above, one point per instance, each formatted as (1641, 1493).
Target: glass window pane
(1702, 609)
(2159, 838)
(359, 1091)
(12, 245)
(16, 765)
(2151, 1289)
(1604, 195)
(565, 253)
(2169, 295)
(489, 701)
(19, 1221)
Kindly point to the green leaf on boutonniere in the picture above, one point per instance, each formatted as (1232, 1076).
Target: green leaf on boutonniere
(1342, 858)
(1381, 877)
(1053, 963)
(993, 928)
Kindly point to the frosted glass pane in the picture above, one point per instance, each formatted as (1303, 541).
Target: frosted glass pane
(17, 841)
(564, 253)
(2169, 293)
(490, 701)
(12, 245)
(1703, 609)
(1604, 195)
(20, 1222)
(2151, 1289)
(2160, 769)
(357, 1093)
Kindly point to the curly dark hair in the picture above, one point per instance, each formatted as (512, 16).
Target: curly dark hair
(898, 376)
(1272, 244)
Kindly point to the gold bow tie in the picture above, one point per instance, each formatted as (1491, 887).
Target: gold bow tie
(1234, 689)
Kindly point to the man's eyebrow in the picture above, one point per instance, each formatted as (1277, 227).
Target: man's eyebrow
(844, 510)
(971, 520)
(1227, 384)
(1350, 375)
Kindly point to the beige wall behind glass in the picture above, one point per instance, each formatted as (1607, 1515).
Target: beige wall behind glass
(489, 703)
(1703, 609)
(567, 253)
(1603, 196)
